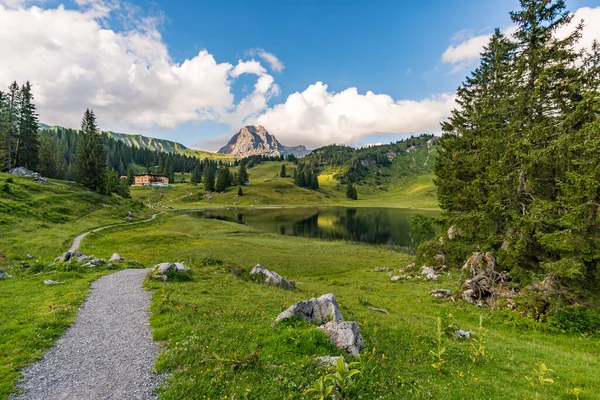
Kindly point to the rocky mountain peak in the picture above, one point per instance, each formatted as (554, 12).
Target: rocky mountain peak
(256, 140)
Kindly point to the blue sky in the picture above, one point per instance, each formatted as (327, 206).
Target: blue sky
(195, 72)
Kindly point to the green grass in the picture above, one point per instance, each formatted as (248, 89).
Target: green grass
(42, 220)
(215, 324)
(268, 189)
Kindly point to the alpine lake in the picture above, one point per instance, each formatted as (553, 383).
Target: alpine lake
(377, 226)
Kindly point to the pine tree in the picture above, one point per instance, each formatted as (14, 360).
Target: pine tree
(283, 173)
(223, 179)
(314, 182)
(91, 158)
(28, 138)
(48, 156)
(240, 192)
(351, 192)
(130, 177)
(516, 170)
(196, 177)
(209, 179)
(243, 174)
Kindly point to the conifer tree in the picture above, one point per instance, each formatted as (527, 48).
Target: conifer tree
(351, 192)
(223, 179)
(516, 170)
(283, 173)
(196, 177)
(209, 179)
(243, 174)
(91, 158)
(28, 142)
(240, 192)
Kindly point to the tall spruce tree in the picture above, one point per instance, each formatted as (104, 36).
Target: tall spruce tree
(243, 174)
(209, 178)
(516, 171)
(91, 158)
(28, 142)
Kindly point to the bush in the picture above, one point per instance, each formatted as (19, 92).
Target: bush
(577, 320)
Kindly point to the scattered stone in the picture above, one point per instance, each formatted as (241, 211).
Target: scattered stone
(164, 268)
(460, 334)
(441, 293)
(379, 269)
(115, 257)
(26, 265)
(24, 172)
(51, 282)
(345, 335)
(396, 278)
(381, 310)
(3, 274)
(82, 258)
(411, 266)
(439, 258)
(452, 232)
(272, 278)
(128, 219)
(209, 196)
(429, 273)
(130, 214)
(29, 256)
(316, 310)
(327, 361)
(89, 264)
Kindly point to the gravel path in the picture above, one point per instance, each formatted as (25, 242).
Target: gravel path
(107, 354)
(77, 241)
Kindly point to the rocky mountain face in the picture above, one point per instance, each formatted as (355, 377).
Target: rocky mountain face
(255, 140)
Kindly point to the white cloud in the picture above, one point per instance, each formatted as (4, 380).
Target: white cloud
(317, 116)
(274, 63)
(128, 77)
(466, 53)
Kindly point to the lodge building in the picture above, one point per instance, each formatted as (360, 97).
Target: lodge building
(149, 180)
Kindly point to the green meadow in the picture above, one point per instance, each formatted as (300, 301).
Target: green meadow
(214, 326)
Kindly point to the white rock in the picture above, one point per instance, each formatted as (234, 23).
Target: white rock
(115, 257)
(316, 310)
(345, 335)
(272, 278)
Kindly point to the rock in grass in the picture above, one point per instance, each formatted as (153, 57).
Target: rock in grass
(51, 282)
(316, 310)
(66, 256)
(327, 361)
(128, 219)
(166, 267)
(381, 310)
(395, 278)
(460, 334)
(429, 273)
(345, 335)
(3, 274)
(272, 278)
(115, 257)
(441, 293)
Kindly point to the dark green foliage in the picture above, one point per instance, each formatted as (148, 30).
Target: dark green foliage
(351, 192)
(91, 158)
(19, 140)
(283, 173)
(517, 166)
(240, 192)
(306, 177)
(209, 179)
(421, 229)
(196, 177)
(243, 174)
(224, 179)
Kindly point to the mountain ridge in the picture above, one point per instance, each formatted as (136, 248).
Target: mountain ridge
(253, 140)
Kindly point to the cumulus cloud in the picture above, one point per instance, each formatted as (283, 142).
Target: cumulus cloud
(128, 77)
(274, 63)
(318, 116)
(467, 51)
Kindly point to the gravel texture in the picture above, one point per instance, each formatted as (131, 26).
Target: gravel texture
(107, 354)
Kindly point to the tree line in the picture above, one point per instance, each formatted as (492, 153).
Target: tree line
(517, 171)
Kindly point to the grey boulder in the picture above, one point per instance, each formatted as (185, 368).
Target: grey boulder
(272, 278)
(441, 293)
(115, 257)
(429, 273)
(345, 335)
(316, 310)
(164, 268)
(51, 282)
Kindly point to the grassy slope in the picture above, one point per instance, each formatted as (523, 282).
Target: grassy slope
(42, 220)
(217, 321)
(268, 189)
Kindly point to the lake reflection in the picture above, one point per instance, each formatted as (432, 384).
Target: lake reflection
(388, 226)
